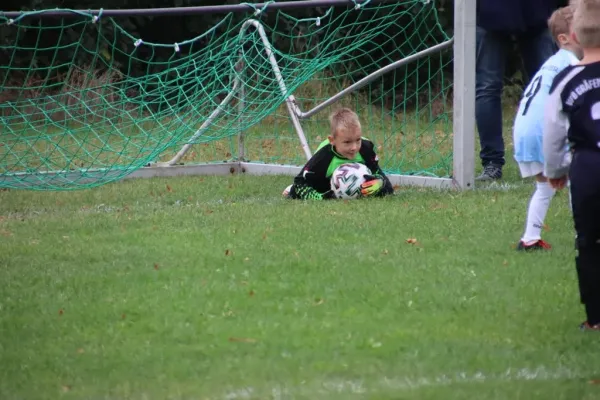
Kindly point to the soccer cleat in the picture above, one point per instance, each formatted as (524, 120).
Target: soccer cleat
(491, 172)
(537, 245)
(585, 326)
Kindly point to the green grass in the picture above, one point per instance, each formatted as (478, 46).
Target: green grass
(216, 288)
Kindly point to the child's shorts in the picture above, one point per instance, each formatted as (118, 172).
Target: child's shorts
(531, 168)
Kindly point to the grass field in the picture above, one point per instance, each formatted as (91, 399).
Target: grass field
(216, 288)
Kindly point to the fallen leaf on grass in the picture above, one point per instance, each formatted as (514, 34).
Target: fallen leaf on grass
(61, 312)
(437, 206)
(594, 382)
(155, 266)
(227, 252)
(318, 302)
(242, 340)
(169, 188)
(123, 316)
(251, 293)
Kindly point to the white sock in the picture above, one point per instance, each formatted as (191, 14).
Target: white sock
(538, 207)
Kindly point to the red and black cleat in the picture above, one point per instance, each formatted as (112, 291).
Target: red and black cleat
(537, 245)
(585, 326)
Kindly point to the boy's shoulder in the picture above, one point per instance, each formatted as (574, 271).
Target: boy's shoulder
(575, 82)
(558, 62)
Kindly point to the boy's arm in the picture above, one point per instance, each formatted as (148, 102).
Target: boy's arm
(312, 177)
(372, 162)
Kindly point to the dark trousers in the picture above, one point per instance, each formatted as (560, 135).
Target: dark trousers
(492, 50)
(585, 194)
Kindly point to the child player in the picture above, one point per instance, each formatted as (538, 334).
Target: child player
(345, 144)
(573, 116)
(528, 126)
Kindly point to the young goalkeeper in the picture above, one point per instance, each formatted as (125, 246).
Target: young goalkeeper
(345, 144)
(528, 127)
(573, 115)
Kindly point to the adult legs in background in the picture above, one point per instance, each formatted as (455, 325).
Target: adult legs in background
(535, 50)
(489, 75)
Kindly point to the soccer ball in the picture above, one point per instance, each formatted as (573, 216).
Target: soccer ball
(346, 180)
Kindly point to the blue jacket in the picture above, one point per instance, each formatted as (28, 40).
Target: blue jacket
(514, 16)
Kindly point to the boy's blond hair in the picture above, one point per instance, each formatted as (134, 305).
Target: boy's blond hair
(560, 21)
(343, 118)
(586, 23)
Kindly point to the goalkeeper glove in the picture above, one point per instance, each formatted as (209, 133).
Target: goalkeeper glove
(372, 185)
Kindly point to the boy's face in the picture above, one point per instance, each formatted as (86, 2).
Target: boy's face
(346, 142)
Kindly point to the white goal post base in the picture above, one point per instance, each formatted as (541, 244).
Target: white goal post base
(231, 168)
(159, 170)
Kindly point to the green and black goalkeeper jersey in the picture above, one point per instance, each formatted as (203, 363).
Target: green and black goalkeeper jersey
(314, 178)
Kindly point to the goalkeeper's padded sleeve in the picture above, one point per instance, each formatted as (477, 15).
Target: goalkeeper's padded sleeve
(305, 192)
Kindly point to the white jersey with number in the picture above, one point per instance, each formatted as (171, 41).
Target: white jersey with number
(529, 121)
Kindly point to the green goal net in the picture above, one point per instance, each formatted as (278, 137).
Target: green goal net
(83, 101)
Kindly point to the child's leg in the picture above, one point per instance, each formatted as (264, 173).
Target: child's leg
(587, 224)
(538, 207)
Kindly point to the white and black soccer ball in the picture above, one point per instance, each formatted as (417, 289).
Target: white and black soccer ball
(347, 178)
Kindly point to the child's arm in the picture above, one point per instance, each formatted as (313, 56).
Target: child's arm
(379, 185)
(312, 183)
(555, 134)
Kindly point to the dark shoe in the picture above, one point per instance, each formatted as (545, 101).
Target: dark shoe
(538, 245)
(491, 172)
